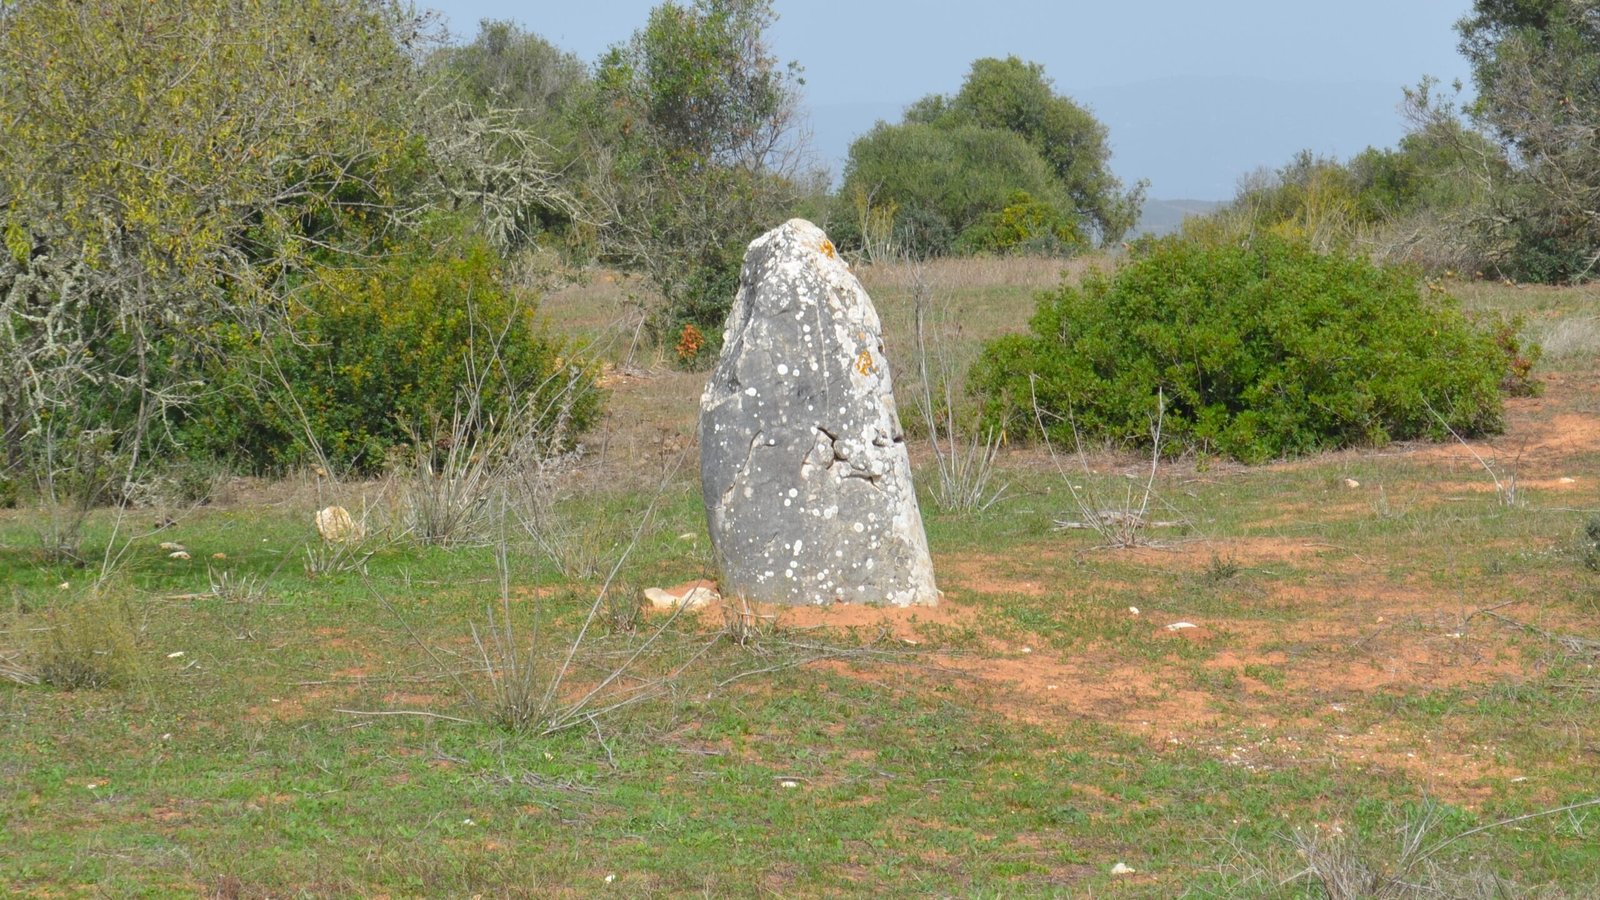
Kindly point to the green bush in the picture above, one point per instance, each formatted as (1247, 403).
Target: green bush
(1260, 350)
(1024, 226)
(378, 354)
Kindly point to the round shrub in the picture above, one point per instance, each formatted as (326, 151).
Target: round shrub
(1259, 351)
(379, 354)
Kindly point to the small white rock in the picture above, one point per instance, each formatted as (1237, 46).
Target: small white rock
(336, 526)
(178, 554)
(1027, 649)
(65, 585)
(611, 877)
(694, 598)
(1567, 480)
(174, 654)
(1351, 483)
(786, 783)
(170, 546)
(1134, 610)
(1122, 869)
(686, 536)
(1179, 626)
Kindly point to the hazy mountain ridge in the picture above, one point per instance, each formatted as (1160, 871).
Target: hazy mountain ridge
(1159, 217)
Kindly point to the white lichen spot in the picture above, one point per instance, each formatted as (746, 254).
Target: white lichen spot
(859, 527)
(783, 369)
(750, 392)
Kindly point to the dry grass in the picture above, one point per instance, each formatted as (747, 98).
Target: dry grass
(1565, 339)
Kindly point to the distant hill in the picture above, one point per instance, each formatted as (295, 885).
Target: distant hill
(1160, 217)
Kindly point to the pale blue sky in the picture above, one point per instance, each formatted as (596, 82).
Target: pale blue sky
(1195, 94)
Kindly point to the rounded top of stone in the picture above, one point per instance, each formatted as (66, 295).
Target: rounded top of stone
(801, 233)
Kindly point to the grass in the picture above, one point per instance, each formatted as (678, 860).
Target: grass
(1366, 658)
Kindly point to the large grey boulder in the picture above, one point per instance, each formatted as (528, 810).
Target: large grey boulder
(803, 465)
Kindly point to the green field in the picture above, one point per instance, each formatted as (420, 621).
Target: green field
(1391, 688)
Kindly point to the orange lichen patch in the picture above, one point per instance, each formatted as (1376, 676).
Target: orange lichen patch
(827, 249)
(864, 363)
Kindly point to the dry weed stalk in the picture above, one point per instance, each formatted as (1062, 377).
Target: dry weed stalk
(1506, 490)
(743, 624)
(966, 466)
(14, 671)
(459, 466)
(1340, 868)
(1119, 526)
(522, 687)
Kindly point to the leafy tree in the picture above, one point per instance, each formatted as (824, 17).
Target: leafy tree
(1016, 96)
(694, 138)
(505, 67)
(956, 162)
(947, 180)
(173, 174)
(519, 93)
(1536, 64)
(1420, 202)
(163, 166)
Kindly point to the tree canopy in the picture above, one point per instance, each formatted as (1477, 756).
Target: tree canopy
(1536, 64)
(693, 124)
(957, 162)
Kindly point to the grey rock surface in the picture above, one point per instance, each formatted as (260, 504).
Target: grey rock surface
(803, 465)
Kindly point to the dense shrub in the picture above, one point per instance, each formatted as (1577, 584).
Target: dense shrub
(1260, 350)
(1024, 226)
(379, 353)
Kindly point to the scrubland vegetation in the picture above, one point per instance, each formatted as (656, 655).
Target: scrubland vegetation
(1269, 548)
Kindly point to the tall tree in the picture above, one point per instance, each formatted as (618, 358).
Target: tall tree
(697, 146)
(1006, 148)
(1017, 96)
(1536, 64)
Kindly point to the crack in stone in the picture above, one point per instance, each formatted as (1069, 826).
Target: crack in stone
(744, 470)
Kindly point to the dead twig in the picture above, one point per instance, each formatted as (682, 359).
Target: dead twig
(403, 712)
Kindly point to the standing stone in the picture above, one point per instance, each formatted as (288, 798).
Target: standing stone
(804, 468)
